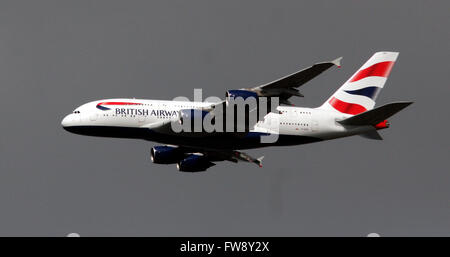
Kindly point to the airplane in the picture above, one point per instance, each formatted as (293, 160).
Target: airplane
(349, 111)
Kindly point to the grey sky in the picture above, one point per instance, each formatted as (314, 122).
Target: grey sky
(57, 55)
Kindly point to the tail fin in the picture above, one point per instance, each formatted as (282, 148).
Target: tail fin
(359, 93)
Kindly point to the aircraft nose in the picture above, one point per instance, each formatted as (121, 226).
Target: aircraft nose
(66, 121)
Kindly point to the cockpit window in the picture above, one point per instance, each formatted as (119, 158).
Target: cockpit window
(76, 111)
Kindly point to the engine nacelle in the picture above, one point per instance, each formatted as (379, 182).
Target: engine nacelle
(194, 163)
(231, 94)
(165, 154)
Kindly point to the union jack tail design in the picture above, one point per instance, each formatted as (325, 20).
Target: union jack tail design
(359, 93)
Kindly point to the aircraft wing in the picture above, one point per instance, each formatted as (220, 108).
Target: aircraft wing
(215, 155)
(283, 88)
(164, 127)
(286, 87)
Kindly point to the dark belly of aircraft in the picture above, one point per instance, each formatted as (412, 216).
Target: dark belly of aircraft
(231, 141)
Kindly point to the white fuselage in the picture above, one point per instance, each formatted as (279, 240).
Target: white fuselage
(289, 123)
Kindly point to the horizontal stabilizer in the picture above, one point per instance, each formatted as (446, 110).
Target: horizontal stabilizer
(373, 134)
(375, 116)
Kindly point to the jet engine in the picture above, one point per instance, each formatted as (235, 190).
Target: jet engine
(194, 163)
(165, 154)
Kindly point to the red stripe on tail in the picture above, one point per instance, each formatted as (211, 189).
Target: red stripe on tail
(381, 69)
(345, 107)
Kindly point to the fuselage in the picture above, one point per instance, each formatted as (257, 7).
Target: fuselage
(131, 118)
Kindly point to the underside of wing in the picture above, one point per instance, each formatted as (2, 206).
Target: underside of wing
(190, 159)
(233, 156)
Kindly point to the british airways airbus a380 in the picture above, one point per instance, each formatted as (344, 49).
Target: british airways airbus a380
(349, 111)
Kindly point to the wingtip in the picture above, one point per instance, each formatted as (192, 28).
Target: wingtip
(260, 161)
(407, 103)
(337, 62)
